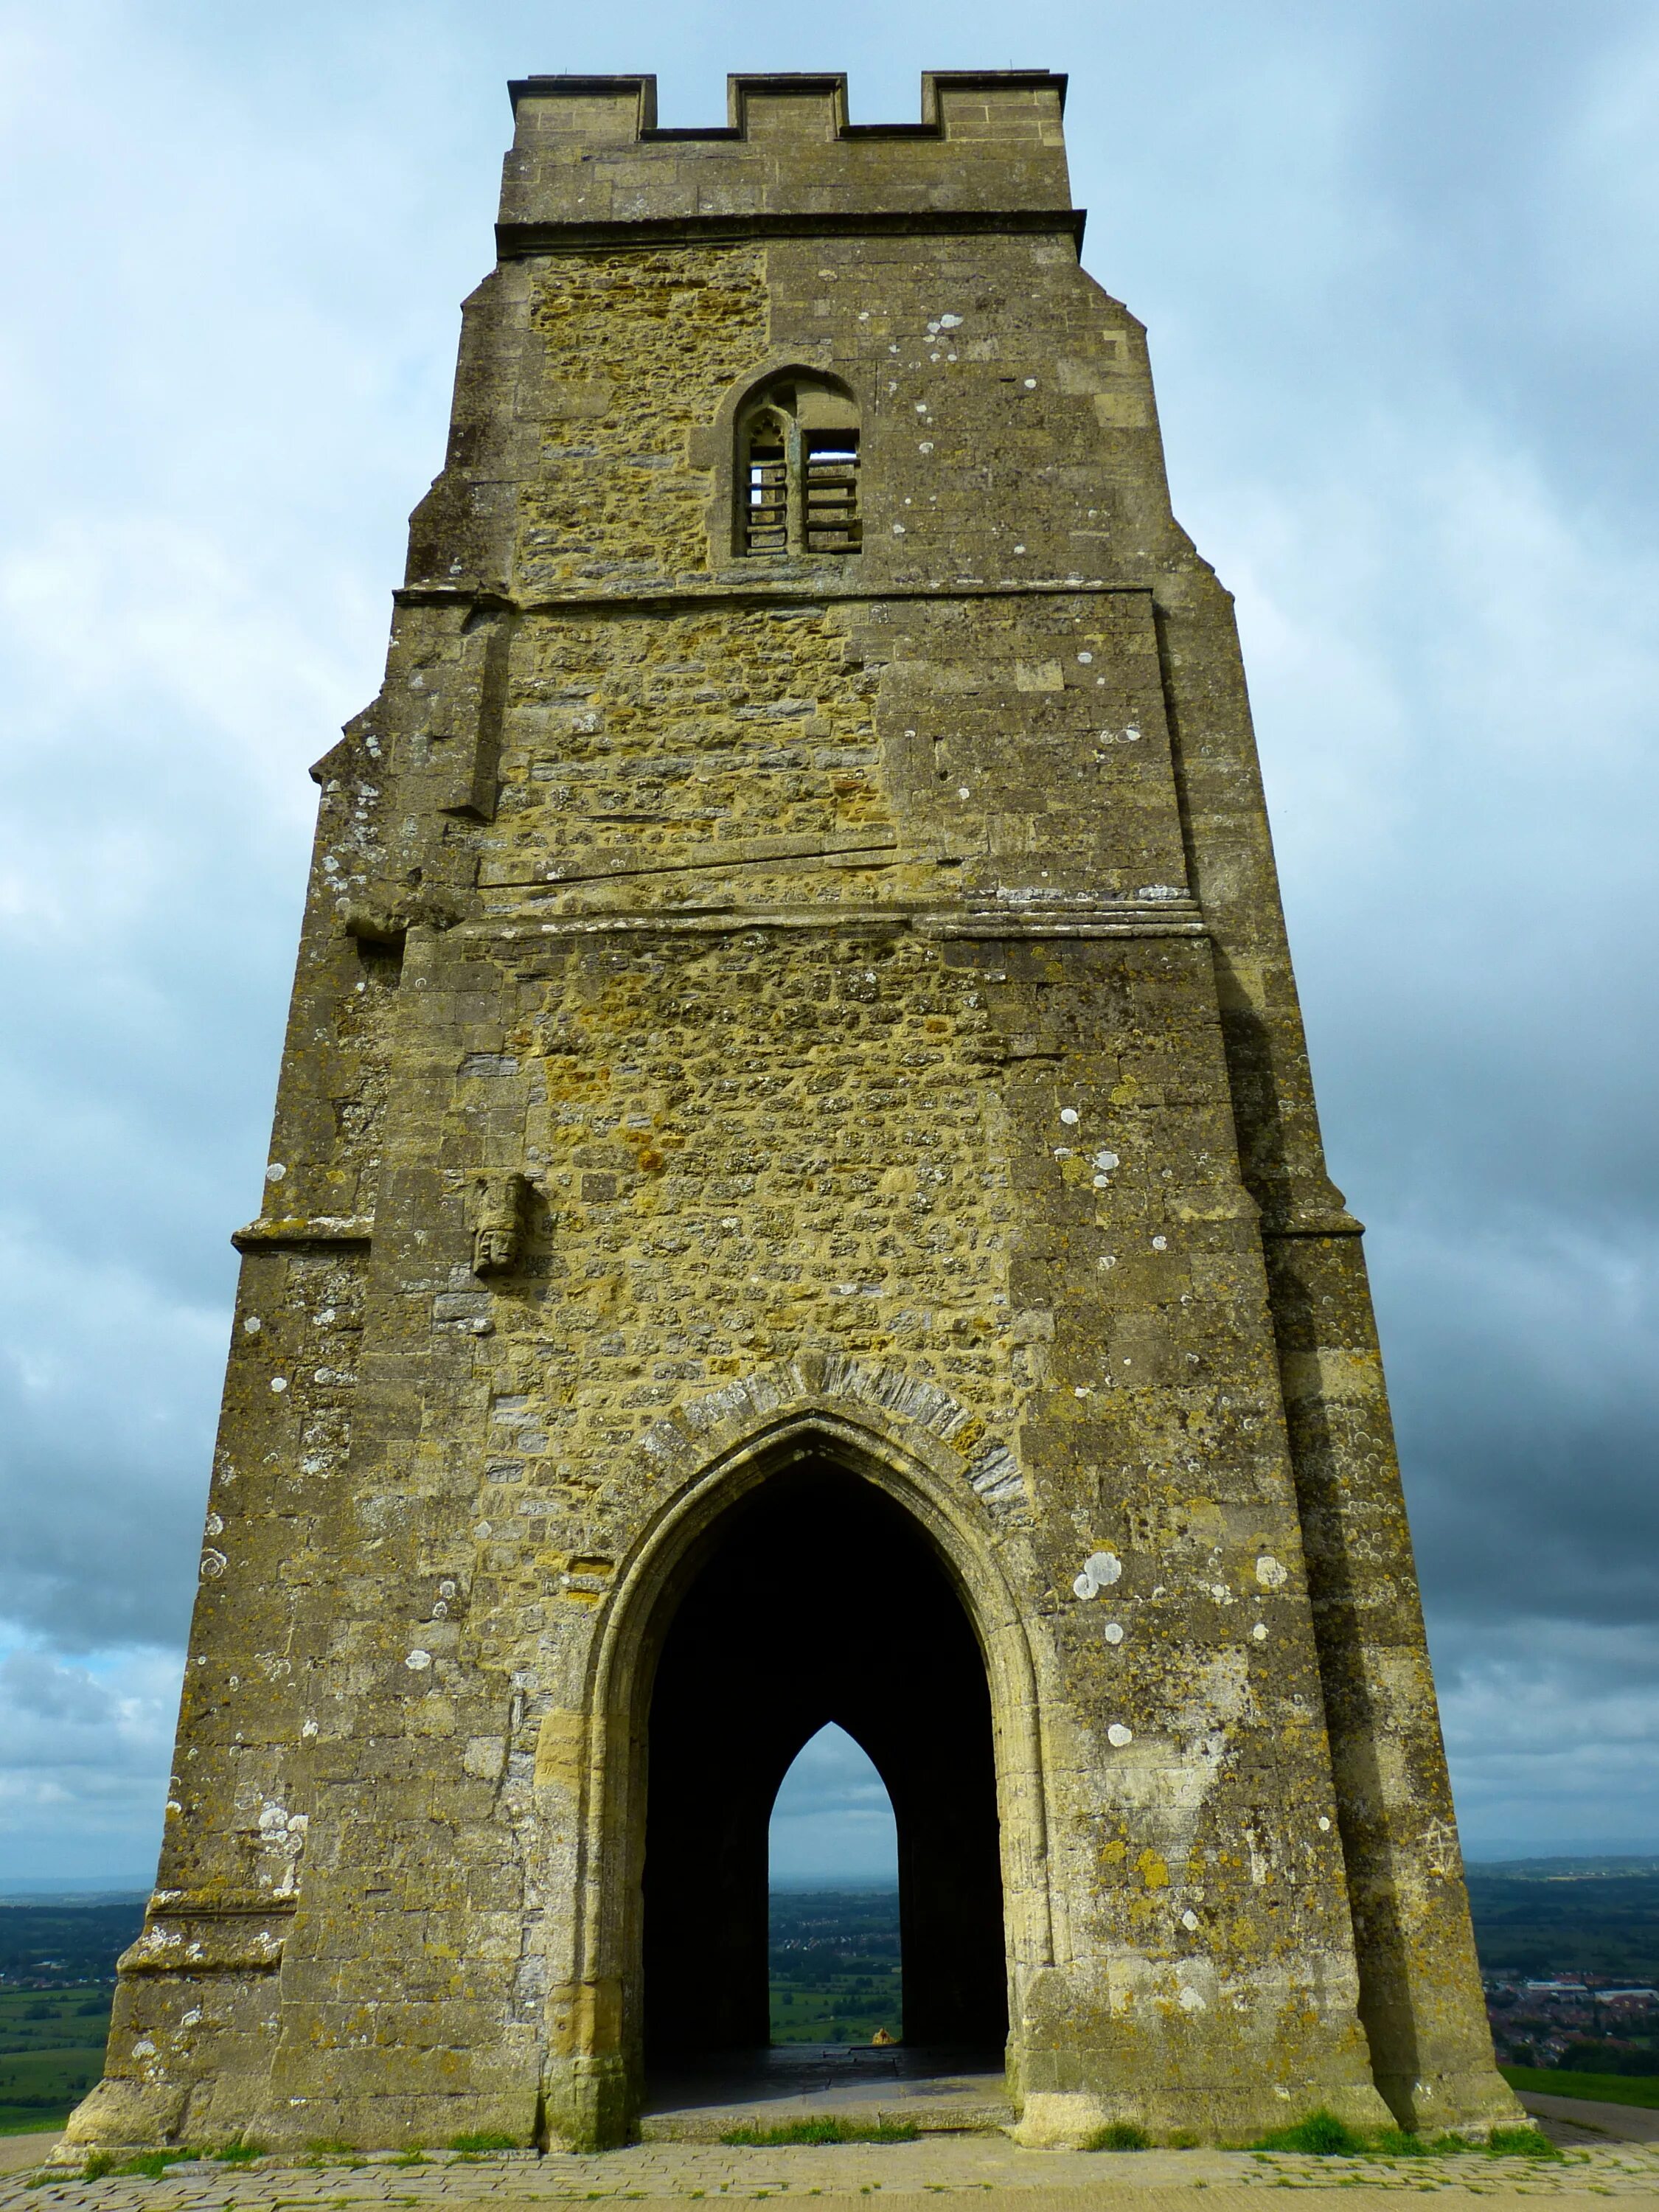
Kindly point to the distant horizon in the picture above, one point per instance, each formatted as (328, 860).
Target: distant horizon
(38, 1889)
(22, 1889)
(834, 1878)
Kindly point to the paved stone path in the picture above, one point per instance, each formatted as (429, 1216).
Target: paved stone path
(937, 2174)
(1626, 2123)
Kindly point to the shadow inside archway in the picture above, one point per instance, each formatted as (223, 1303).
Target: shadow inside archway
(817, 1598)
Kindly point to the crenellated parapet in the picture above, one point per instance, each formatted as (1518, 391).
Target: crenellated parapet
(587, 151)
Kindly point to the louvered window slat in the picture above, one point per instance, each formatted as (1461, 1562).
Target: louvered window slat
(832, 491)
(766, 520)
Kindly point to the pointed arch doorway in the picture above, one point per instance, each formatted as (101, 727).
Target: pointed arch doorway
(817, 1598)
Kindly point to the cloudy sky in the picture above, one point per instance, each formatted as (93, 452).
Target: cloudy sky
(1398, 262)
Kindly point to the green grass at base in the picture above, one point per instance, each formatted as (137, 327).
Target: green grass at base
(1641, 2089)
(1322, 2134)
(1117, 2135)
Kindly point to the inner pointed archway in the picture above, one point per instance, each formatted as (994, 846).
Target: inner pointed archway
(834, 1961)
(818, 1599)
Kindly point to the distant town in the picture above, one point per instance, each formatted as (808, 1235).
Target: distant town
(1578, 2025)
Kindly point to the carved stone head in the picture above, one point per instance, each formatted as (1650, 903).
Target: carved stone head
(498, 1225)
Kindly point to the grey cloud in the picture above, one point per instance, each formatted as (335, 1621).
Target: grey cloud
(1529, 1423)
(106, 1388)
(83, 1763)
(832, 1773)
(832, 1814)
(1552, 1728)
(37, 1690)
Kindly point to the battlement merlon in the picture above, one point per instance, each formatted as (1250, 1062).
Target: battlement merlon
(588, 154)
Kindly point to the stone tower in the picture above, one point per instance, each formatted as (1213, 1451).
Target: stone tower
(796, 1196)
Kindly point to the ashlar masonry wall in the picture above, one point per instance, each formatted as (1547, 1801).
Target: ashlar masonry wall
(755, 1009)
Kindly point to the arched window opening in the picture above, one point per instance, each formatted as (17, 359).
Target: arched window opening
(834, 1949)
(798, 445)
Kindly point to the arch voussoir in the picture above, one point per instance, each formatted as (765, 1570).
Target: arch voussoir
(920, 1416)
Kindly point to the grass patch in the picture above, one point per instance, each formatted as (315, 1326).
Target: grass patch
(1322, 2135)
(1118, 2135)
(1520, 2142)
(1641, 2089)
(820, 2131)
(151, 2164)
(240, 2153)
(1400, 2142)
(473, 2144)
(327, 2151)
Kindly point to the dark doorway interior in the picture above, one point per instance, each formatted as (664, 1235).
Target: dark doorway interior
(819, 1600)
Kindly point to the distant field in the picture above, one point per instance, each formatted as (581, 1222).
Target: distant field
(1600, 2089)
(834, 1966)
(52, 2051)
(1544, 1921)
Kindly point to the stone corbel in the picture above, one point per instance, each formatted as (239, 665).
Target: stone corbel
(385, 914)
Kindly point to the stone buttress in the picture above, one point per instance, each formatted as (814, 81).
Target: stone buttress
(793, 964)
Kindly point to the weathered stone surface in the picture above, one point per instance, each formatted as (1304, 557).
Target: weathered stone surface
(766, 1011)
